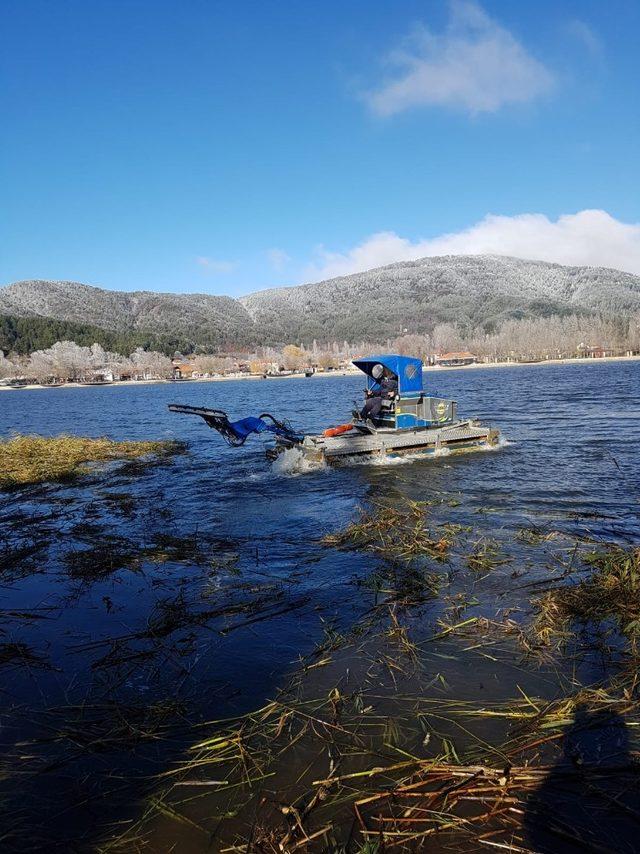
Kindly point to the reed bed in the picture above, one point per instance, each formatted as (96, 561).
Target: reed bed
(30, 460)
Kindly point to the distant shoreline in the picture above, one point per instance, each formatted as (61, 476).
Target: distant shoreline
(341, 373)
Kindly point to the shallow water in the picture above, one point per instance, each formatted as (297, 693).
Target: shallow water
(569, 462)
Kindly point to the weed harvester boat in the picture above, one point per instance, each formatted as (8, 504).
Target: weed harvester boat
(411, 421)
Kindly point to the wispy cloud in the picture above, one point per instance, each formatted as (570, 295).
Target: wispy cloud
(278, 258)
(213, 265)
(475, 65)
(583, 33)
(590, 238)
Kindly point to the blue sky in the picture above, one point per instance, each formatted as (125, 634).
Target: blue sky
(226, 147)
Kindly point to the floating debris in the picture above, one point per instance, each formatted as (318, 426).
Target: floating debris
(535, 536)
(610, 592)
(18, 654)
(386, 737)
(317, 773)
(397, 534)
(28, 460)
(486, 555)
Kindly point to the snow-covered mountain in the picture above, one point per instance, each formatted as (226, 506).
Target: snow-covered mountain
(472, 291)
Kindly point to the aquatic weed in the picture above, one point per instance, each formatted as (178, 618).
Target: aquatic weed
(395, 533)
(486, 555)
(611, 591)
(30, 460)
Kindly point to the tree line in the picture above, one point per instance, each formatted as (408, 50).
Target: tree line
(531, 338)
(536, 338)
(23, 335)
(66, 360)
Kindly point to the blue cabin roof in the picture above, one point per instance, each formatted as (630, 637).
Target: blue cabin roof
(407, 369)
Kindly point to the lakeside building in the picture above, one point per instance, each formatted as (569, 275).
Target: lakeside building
(454, 360)
(183, 371)
(591, 351)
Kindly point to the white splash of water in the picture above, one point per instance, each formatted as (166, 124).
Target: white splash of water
(397, 459)
(442, 452)
(438, 453)
(293, 462)
(502, 442)
(257, 476)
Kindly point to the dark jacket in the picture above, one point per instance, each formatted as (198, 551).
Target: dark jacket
(386, 386)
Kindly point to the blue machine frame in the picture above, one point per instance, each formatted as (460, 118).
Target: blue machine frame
(407, 369)
(412, 409)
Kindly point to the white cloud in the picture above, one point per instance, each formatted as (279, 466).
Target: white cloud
(211, 265)
(278, 258)
(475, 64)
(589, 238)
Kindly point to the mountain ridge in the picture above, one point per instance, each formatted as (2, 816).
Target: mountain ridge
(474, 291)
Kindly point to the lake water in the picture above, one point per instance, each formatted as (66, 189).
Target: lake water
(234, 543)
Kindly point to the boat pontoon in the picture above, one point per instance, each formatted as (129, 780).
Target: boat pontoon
(412, 421)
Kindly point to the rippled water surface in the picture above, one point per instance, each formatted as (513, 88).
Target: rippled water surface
(222, 530)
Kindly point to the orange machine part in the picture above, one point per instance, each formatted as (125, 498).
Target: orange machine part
(336, 431)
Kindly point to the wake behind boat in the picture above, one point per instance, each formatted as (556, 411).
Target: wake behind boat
(399, 417)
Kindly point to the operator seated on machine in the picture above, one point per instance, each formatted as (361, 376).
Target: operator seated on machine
(386, 389)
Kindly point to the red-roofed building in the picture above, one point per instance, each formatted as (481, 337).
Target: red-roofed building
(455, 360)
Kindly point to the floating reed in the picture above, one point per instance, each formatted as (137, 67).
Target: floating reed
(486, 555)
(398, 534)
(610, 592)
(304, 771)
(27, 460)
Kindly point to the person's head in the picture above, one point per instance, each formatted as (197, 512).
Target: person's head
(377, 371)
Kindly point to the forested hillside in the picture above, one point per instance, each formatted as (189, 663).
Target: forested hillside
(25, 334)
(473, 292)
(476, 293)
(181, 321)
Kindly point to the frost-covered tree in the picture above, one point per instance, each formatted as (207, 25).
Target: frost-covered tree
(71, 361)
(446, 337)
(41, 365)
(65, 360)
(293, 357)
(7, 367)
(151, 364)
(98, 357)
(412, 345)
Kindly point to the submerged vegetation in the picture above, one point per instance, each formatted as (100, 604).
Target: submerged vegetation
(383, 740)
(431, 718)
(610, 592)
(29, 460)
(394, 533)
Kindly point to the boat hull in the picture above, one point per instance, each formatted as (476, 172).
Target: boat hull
(458, 436)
